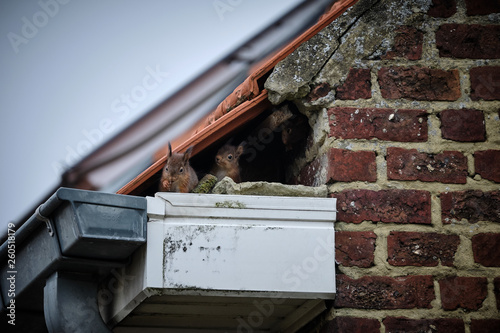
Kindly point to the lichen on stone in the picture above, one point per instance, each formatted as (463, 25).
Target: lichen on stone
(228, 186)
(362, 32)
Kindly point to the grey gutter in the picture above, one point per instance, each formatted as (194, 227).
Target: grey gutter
(45, 209)
(62, 252)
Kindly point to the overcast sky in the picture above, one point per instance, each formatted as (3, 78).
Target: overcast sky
(66, 63)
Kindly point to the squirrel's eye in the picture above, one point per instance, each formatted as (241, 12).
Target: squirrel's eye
(181, 170)
(166, 169)
(230, 157)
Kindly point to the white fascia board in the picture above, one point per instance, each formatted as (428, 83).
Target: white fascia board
(234, 244)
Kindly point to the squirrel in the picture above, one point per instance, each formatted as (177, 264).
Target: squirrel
(227, 162)
(178, 175)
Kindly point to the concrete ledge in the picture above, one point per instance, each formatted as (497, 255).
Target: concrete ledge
(228, 186)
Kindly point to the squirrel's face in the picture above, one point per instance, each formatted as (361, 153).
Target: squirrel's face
(175, 168)
(177, 165)
(227, 157)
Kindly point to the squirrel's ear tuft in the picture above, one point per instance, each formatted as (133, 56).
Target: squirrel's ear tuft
(169, 149)
(187, 153)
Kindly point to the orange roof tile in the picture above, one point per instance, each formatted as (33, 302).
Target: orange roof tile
(245, 103)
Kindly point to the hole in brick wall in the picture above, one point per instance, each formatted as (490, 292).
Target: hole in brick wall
(272, 141)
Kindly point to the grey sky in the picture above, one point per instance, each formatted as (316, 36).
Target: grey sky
(65, 65)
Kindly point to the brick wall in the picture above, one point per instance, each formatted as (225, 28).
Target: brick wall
(410, 147)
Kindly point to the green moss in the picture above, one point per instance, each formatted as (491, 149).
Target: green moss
(206, 184)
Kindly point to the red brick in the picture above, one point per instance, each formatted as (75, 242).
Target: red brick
(358, 85)
(485, 83)
(383, 124)
(487, 164)
(463, 125)
(463, 292)
(472, 41)
(321, 90)
(482, 7)
(407, 44)
(355, 248)
(473, 206)
(447, 167)
(352, 325)
(485, 326)
(442, 8)
(421, 248)
(496, 291)
(439, 325)
(486, 249)
(348, 166)
(383, 292)
(419, 83)
(392, 206)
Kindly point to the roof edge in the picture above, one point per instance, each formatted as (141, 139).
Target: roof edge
(250, 86)
(246, 102)
(205, 137)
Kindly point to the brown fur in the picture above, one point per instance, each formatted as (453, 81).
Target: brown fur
(227, 162)
(178, 175)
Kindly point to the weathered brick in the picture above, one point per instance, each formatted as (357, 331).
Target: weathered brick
(485, 248)
(446, 167)
(473, 206)
(421, 248)
(496, 290)
(485, 83)
(352, 325)
(463, 125)
(463, 292)
(396, 206)
(442, 8)
(321, 90)
(407, 44)
(383, 124)
(347, 166)
(355, 248)
(438, 325)
(472, 41)
(383, 292)
(487, 164)
(485, 326)
(357, 85)
(482, 7)
(420, 83)
(310, 175)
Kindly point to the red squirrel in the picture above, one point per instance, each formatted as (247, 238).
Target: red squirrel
(227, 162)
(178, 175)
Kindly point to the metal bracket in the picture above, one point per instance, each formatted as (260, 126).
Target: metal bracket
(47, 221)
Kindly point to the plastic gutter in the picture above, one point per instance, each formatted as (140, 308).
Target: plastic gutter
(74, 240)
